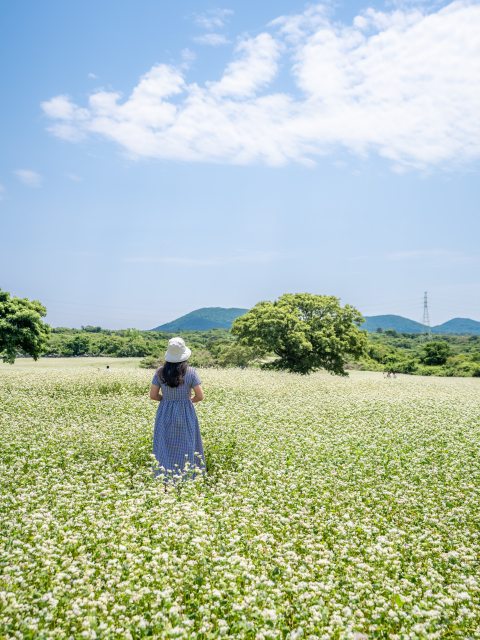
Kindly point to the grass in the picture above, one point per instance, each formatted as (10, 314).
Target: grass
(80, 363)
(334, 508)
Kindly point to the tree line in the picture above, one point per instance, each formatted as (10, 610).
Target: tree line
(299, 333)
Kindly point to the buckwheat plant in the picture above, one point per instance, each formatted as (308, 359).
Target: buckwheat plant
(333, 509)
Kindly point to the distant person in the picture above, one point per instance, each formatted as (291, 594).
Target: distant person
(394, 376)
(107, 368)
(177, 439)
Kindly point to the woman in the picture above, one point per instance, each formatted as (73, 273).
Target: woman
(177, 439)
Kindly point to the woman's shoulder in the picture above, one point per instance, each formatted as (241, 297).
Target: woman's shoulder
(192, 376)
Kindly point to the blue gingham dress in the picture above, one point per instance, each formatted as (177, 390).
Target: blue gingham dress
(177, 439)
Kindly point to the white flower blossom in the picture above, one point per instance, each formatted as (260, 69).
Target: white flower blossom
(333, 511)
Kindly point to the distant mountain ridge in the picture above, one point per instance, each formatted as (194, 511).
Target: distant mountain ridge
(458, 325)
(221, 318)
(203, 320)
(405, 325)
(398, 323)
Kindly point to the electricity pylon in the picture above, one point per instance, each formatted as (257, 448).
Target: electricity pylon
(427, 332)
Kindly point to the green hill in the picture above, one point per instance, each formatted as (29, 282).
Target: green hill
(405, 325)
(218, 317)
(203, 320)
(458, 325)
(398, 323)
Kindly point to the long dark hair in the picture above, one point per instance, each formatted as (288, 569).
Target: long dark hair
(172, 373)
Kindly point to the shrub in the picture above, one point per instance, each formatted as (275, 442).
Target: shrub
(405, 366)
(215, 346)
(238, 355)
(435, 353)
(427, 371)
(151, 362)
(391, 332)
(202, 359)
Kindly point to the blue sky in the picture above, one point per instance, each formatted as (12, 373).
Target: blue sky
(160, 157)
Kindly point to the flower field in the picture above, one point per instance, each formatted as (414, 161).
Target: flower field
(333, 508)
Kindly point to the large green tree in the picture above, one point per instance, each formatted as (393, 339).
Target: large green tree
(21, 327)
(435, 353)
(307, 332)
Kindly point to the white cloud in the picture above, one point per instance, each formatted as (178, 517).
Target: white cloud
(30, 178)
(188, 56)
(255, 67)
(73, 176)
(62, 108)
(92, 75)
(403, 84)
(244, 256)
(2, 191)
(68, 117)
(213, 39)
(213, 19)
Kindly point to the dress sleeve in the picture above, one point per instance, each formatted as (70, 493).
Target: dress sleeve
(194, 378)
(156, 380)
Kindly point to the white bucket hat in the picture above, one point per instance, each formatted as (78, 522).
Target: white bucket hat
(177, 351)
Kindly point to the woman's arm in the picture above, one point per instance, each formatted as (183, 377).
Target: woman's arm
(198, 397)
(155, 393)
